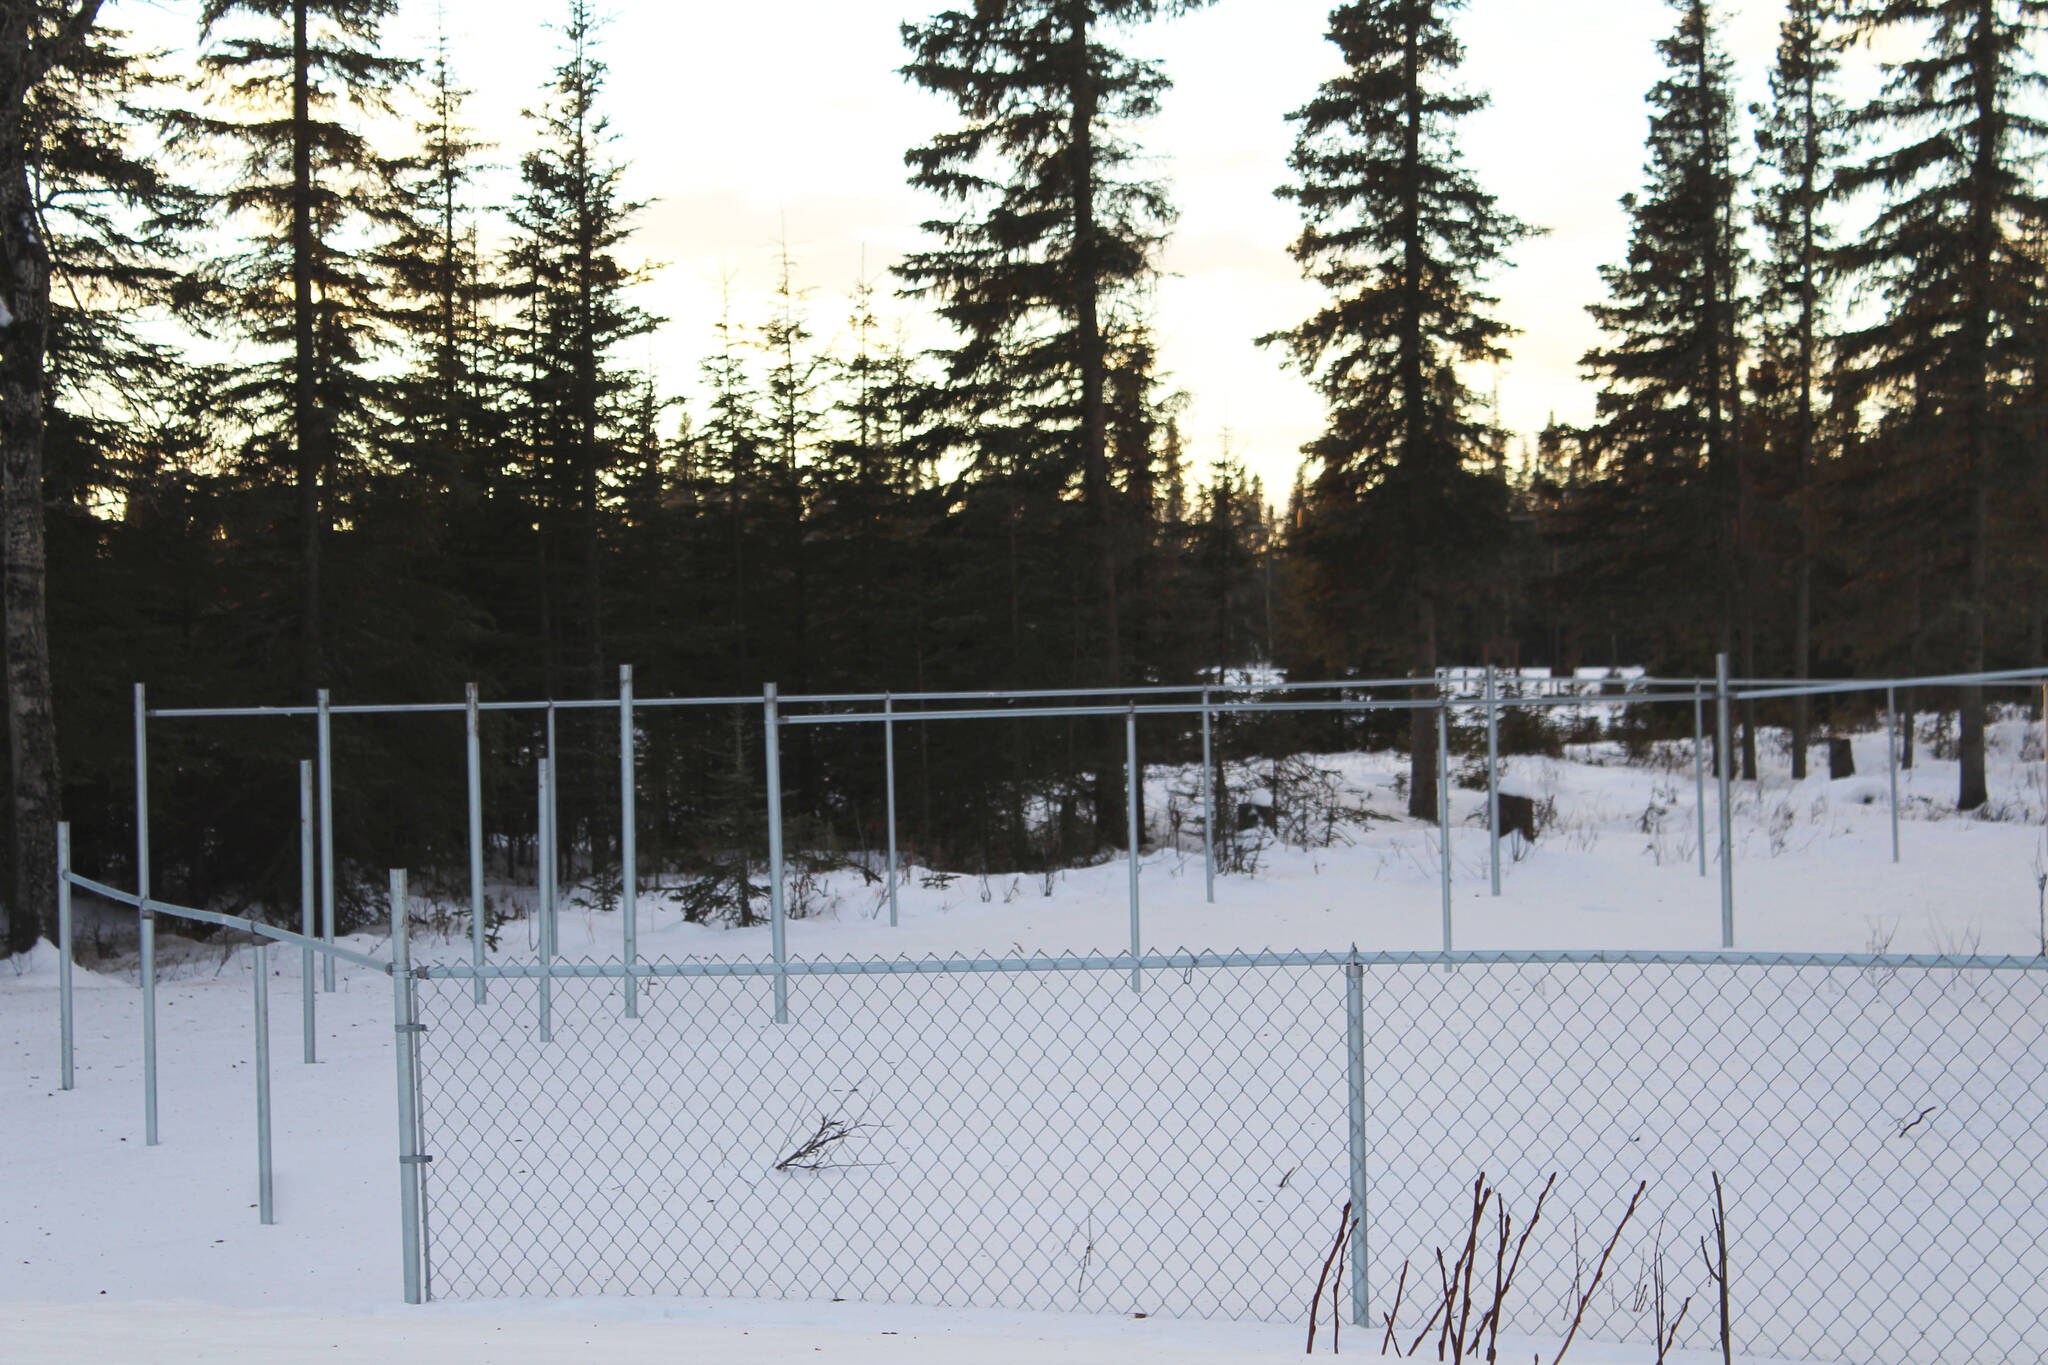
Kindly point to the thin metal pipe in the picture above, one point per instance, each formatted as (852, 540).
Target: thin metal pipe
(1121, 962)
(554, 862)
(2010, 675)
(1443, 810)
(1891, 754)
(544, 843)
(473, 746)
(1493, 779)
(325, 736)
(889, 794)
(145, 919)
(778, 942)
(406, 1032)
(1724, 765)
(1134, 777)
(1208, 803)
(262, 995)
(64, 1026)
(1699, 776)
(629, 851)
(307, 1021)
(247, 926)
(1075, 712)
(1354, 1055)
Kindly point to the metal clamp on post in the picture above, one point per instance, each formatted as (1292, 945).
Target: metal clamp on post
(414, 1160)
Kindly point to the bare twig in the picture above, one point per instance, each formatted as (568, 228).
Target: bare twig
(1918, 1121)
(811, 1154)
(1315, 1304)
(1491, 1324)
(1400, 1288)
(1599, 1272)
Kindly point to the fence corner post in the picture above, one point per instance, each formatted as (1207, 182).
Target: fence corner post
(264, 1213)
(889, 793)
(1354, 1055)
(307, 1008)
(1134, 778)
(474, 763)
(1208, 802)
(1891, 747)
(405, 1039)
(1724, 767)
(325, 749)
(778, 935)
(145, 917)
(65, 1034)
(1443, 807)
(629, 851)
(1493, 779)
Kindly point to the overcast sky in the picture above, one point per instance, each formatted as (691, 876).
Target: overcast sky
(744, 120)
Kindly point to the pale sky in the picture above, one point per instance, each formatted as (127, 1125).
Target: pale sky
(749, 119)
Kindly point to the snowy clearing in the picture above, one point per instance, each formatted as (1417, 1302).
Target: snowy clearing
(98, 1214)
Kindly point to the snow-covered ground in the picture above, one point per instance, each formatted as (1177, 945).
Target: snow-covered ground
(101, 1233)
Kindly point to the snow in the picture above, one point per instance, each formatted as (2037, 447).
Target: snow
(114, 1251)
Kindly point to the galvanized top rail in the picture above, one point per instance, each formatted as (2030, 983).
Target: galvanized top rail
(1551, 691)
(247, 926)
(1201, 961)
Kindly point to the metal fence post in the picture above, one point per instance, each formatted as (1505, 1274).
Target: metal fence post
(262, 993)
(306, 1005)
(473, 744)
(778, 939)
(1891, 748)
(1208, 804)
(406, 1032)
(553, 864)
(1443, 807)
(64, 1027)
(145, 919)
(1493, 778)
(1699, 769)
(544, 898)
(1354, 1074)
(1724, 766)
(326, 755)
(629, 851)
(1133, 778)
(889, 793)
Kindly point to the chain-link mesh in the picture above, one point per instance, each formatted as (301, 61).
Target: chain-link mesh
(1040, 1138)
(1034, 1140)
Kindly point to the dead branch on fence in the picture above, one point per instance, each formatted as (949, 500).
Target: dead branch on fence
(1918, 1121)
(1315, 1304)
(1337, 1284)
(1599, 1271)
(812, 1154)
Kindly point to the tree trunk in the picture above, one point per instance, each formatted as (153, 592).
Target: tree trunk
(24, 340)
(308, 427)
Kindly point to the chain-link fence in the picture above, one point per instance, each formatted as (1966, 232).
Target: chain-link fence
(1038, 1134)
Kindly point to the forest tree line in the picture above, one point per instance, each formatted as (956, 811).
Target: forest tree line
(308, 412)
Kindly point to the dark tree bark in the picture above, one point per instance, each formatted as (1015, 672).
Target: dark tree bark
(27, 53)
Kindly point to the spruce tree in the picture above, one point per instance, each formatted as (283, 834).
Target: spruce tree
(1665, 510)
(1802, 139)
(1047, 258)
(303, 75)
(1954, 173)
(570, 289)
(1402, 236)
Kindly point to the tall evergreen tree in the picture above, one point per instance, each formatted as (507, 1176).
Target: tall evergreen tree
(303, 74)
(1667, 508)
(1402, 236)
(1955, 171)
(1053, 245)
(571, 289)
(1802, 138)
